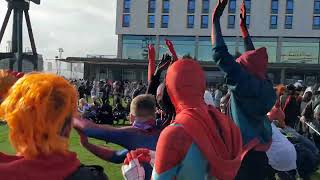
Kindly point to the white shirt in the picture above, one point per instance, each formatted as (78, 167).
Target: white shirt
(282, 154)
(208, 99)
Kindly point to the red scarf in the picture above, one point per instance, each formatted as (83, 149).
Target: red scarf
(53, 167)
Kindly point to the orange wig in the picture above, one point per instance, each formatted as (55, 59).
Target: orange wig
(6, 81)
(37, 109)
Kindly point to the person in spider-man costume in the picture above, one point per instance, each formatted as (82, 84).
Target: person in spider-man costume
(251, 95)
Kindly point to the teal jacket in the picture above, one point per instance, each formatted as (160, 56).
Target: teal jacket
(251, 99)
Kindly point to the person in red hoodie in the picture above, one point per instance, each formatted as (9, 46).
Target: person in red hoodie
(38, 110)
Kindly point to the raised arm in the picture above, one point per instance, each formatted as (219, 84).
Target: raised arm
(225, 61)
(248, 45)
(155, 79)
(216, 34)
(152, 61)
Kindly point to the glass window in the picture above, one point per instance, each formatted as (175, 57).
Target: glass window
(205, 6)
(151, 21)
(273, 22)
(205, 47)
(248, 5)
(126, 6)
(164, 21)
(190, 21)
(136, 47)
(126, 20)
(300, 52)
(316, 22)
(165, 6)
(289, 9)
(232, 6)
(184, 45)
(204, 21)
(288, 22)
(231, 21)
(152, 6)
(274, 6)
(316, 6)
(191, 6)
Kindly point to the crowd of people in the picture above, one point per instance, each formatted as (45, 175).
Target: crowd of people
(105, 101)
(247, 128)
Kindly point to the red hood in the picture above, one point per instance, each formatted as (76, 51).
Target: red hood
(215, 134)
(55, 167)
(255, 62)
(185, 82)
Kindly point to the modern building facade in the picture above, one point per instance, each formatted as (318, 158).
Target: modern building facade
(289, 29)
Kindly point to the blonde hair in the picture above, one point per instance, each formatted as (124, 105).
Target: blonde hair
(36, 109)
(6, 81)
(143, 105)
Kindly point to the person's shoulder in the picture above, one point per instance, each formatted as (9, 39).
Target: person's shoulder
(174, 134)
(84, 172)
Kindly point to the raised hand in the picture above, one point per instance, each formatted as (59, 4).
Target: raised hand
(171, 49)
(164, 63)
(218, 11)
(243, 20)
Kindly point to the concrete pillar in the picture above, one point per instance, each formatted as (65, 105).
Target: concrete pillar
(279, 49)
(283, 76)
(120, 46)
(196, 47)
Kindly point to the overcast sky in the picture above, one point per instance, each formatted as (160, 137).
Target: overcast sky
(80, 27)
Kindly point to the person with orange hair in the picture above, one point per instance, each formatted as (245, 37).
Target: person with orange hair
(38, 110)
(7, 80)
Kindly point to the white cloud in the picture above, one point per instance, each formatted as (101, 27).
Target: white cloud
(81, 27)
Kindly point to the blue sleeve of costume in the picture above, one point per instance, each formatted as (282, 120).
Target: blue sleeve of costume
(167, 175)
(119, 156)
(117, 137)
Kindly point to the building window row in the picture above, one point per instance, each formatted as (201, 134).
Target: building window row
(126, 13)
(126, 18)
(232, 6)
(165, 16)
(292, 50)
(289, 15)
(151, 16)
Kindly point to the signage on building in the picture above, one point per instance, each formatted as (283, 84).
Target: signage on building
(298, 55)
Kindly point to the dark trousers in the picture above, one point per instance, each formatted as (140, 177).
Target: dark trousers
(254, 166)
